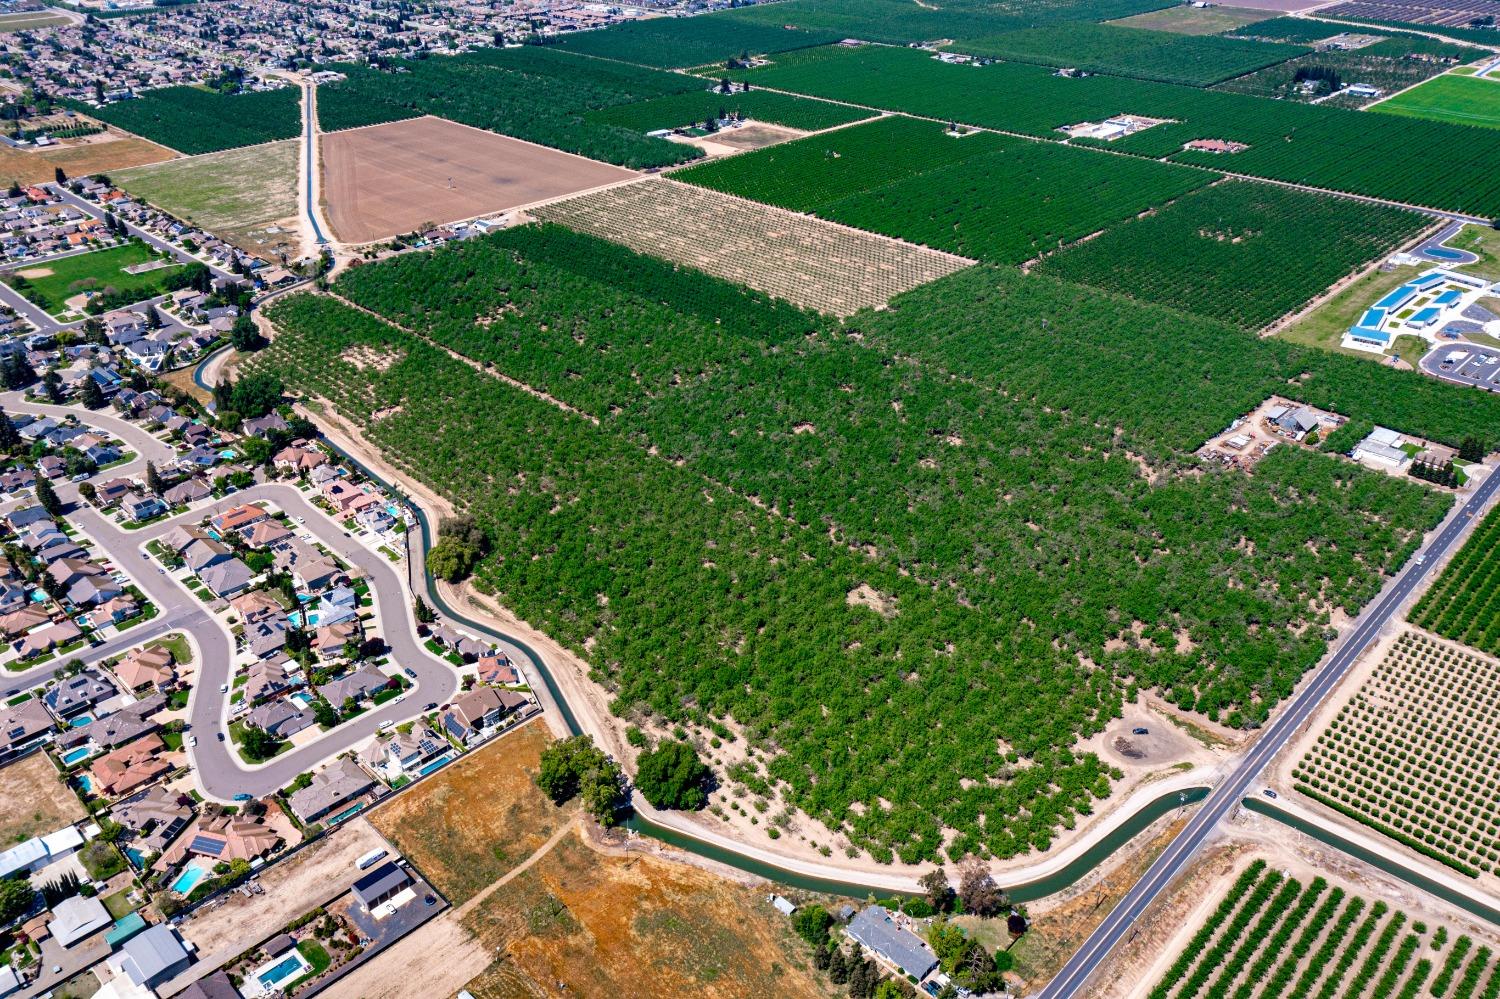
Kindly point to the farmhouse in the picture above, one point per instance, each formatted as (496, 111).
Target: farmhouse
(892, 945)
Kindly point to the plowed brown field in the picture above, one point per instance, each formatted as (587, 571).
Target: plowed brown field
(388, 179)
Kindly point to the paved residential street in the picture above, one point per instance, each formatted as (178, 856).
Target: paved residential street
(220, 771)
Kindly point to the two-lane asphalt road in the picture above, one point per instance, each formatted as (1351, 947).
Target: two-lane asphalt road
(1120, 922)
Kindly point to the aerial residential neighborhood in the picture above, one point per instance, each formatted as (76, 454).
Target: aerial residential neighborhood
(749, 498)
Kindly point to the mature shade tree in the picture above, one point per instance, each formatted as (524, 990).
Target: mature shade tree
(258, 744)
(244, 335)
(16, 371)
(838, 966)
(16, 895)
(91, 394)
(47, 497)
(576, 766)
(153, 478)
(980, 894)
(10, 437)
(811, 923)
(462, 544)
(938, 891)
(672, 776)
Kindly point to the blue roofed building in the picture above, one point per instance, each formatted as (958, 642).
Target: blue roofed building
(1424, 317)
(1394, 300)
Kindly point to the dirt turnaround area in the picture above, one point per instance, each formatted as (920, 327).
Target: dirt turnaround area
(388, 179)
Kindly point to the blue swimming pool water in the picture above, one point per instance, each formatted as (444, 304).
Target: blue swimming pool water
(73, 756)
(281, 971)
(137, 858)
(38, 596)
(188, 880)
(311, 619)
(441, 761)
(303, 698)
(1443, 253)
(347, 813)
(87, 783)
(81, 720)
(227, 454)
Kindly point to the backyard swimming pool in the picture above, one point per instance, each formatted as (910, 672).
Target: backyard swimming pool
(285, 968)
(74, 756)
(81, 720)
(441, 761)
(303, 698)
(188, 880)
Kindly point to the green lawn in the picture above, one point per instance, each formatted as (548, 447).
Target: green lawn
(94, 271)
(118, 905)
(1325, 325)
(1485, 243)
(1459, 100)
(177, 644)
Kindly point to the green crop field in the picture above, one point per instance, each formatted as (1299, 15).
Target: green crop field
(541, 94)
(982, 196)
(1240, 251)
(690, 41)
(747, 446)
(1411, 755)
(1271, 935)
(1344, 150)
(97, 271)
(1194, 60)
(1461, 100)
(193, 120)
(1463, 603)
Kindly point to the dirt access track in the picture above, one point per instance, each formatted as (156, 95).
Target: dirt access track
(388, 179)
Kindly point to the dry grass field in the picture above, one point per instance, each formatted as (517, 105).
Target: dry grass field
(236, 194)
(804, 260)
(611, 926)
(388, 179)
(97, 154)
(33, 802)
(477, 818)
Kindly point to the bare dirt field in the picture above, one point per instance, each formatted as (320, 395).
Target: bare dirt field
(292, 887)
(478, 818)
(97, 154)
(804, 260)
(389, 179)
(441, 955)
(602, 925)
(33, 802)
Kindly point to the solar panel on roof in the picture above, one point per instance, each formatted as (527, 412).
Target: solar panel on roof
(207, 845)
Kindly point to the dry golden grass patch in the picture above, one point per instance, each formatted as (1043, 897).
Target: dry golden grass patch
(33, 802)
(612, 926)
(98, 154)
(478, 818)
